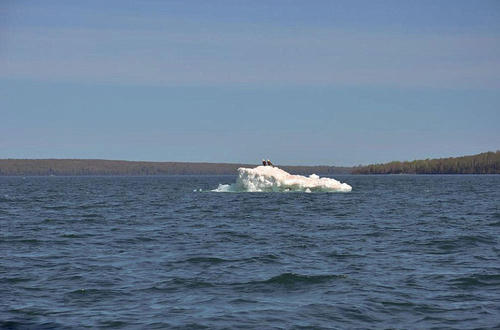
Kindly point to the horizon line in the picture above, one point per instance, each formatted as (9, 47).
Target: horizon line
(185, 162)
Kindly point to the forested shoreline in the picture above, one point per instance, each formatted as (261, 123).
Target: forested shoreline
(483, 163)
(70, 167)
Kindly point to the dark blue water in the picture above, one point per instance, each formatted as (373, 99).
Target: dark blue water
(398, 251)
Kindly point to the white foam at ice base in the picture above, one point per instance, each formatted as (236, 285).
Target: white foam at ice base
(268, 178)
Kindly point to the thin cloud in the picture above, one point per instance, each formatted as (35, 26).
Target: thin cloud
(218, 57)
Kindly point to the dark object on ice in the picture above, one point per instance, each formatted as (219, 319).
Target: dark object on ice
(269, 163)
(264, 162)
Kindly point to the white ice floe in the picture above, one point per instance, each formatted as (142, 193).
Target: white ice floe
(268, 178)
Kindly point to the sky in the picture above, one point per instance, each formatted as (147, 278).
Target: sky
(300, 82)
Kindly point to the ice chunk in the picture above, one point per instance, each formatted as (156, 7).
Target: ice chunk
(269, 178)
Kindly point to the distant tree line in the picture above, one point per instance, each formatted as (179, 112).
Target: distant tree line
(483, 163)
(69, 167)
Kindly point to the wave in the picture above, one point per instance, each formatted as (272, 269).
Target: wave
(207, 260)
(274, 179)
(292, 278)
(284, 279)
(475, 280)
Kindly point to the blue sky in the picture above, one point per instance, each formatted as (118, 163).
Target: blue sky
(300, 82)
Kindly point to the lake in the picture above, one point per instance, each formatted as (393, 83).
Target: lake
(151, 252)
